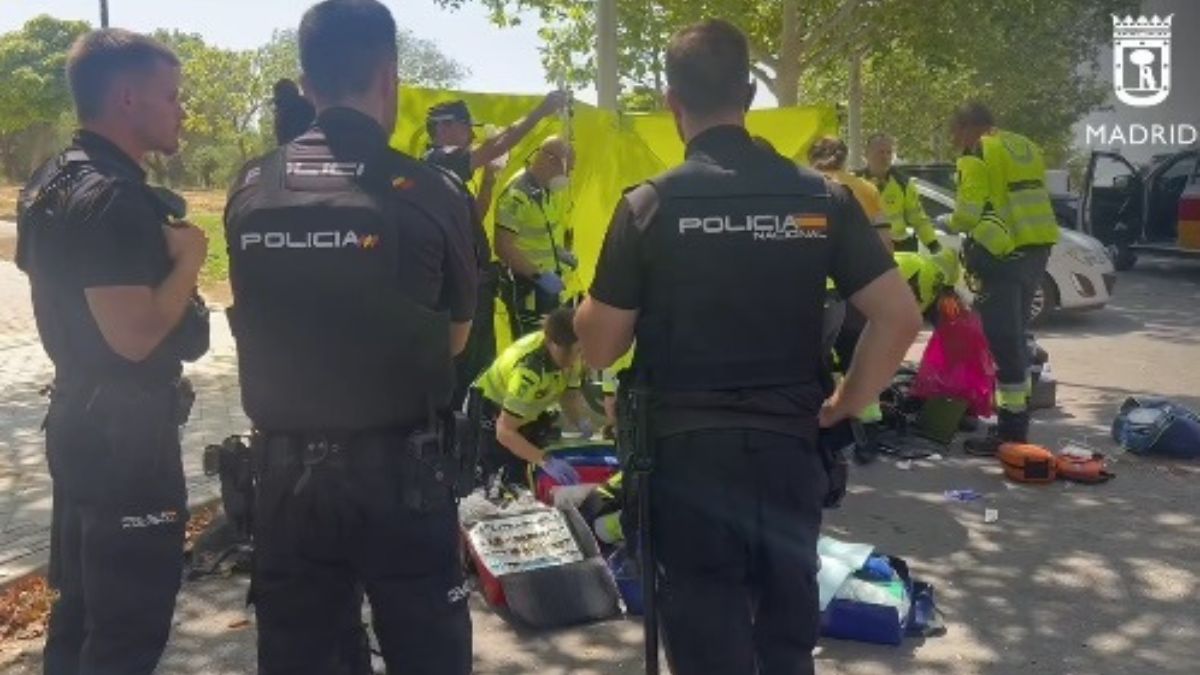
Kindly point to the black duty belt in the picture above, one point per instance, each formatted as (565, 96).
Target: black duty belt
(316, 446)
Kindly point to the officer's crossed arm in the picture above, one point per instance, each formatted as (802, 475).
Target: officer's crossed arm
(135, 311)
(862, 270)
(606, 320)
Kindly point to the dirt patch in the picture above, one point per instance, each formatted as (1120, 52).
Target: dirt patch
(204, 201)
(8, 202)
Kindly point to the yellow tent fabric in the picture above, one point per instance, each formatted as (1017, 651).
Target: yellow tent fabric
(613, 152)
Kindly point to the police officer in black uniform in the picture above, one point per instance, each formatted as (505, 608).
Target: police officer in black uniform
(718, 267)
(113, 292)
(354, 280)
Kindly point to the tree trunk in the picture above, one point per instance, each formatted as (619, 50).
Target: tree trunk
(787, 74)
(856, 111)
(787, 86)
(8, 157)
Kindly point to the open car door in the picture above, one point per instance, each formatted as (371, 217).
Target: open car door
(1112, 208)
(1165, 185)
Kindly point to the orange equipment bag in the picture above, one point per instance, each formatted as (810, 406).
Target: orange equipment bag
(1024, 463)
(1080, 469)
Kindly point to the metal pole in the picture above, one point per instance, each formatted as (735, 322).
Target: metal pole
(606, 54)
(104, 13)
(855, 137)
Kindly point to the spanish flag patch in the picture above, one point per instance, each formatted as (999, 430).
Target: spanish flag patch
(811, 221)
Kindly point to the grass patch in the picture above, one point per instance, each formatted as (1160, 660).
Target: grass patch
(216, 267)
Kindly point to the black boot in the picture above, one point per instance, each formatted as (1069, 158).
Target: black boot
(1010, 427)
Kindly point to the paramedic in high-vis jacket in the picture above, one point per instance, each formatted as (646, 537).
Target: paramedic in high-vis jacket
(532, 237)
(1004, 208)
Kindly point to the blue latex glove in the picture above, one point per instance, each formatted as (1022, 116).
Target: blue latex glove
(550, 283)
(569, 259)
(561, 471)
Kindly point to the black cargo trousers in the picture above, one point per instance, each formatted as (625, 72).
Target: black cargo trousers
(1006, 290)
(331, 521)
(120, 509)
(736, 517)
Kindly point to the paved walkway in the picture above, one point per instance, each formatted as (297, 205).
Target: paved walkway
(25, 370)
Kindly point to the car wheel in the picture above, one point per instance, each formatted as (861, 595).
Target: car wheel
(1123, 258)
(1045, 300)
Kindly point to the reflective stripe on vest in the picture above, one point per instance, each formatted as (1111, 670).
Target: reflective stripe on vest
(1012, 397)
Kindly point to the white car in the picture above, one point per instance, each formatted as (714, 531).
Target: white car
(1080, 274)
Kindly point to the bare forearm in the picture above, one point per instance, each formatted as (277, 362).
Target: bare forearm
(610, 410)
(572, 405)
(880, 350)
(519, 445)
(460, 333)
(604, 334)
(171, 298)
(506, 140)
(483, 200)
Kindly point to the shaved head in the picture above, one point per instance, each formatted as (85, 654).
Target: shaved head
(554, 157)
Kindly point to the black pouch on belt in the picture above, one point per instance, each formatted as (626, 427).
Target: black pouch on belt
(428, 477)
(831, 444)
(466, 443)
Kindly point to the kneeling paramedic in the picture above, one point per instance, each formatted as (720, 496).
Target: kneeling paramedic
(354, 276)
(1004, 207)
(728, 368)
(536, 372)
(112, 273)
(930, 276)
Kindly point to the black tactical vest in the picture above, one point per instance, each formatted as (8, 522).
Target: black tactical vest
(735, 281)
(327, 339)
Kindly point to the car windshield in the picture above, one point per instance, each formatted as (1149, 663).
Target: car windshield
(941, 175)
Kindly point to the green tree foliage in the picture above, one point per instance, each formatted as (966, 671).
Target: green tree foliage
(226, 93)
(1032, 60)
(34, 98)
